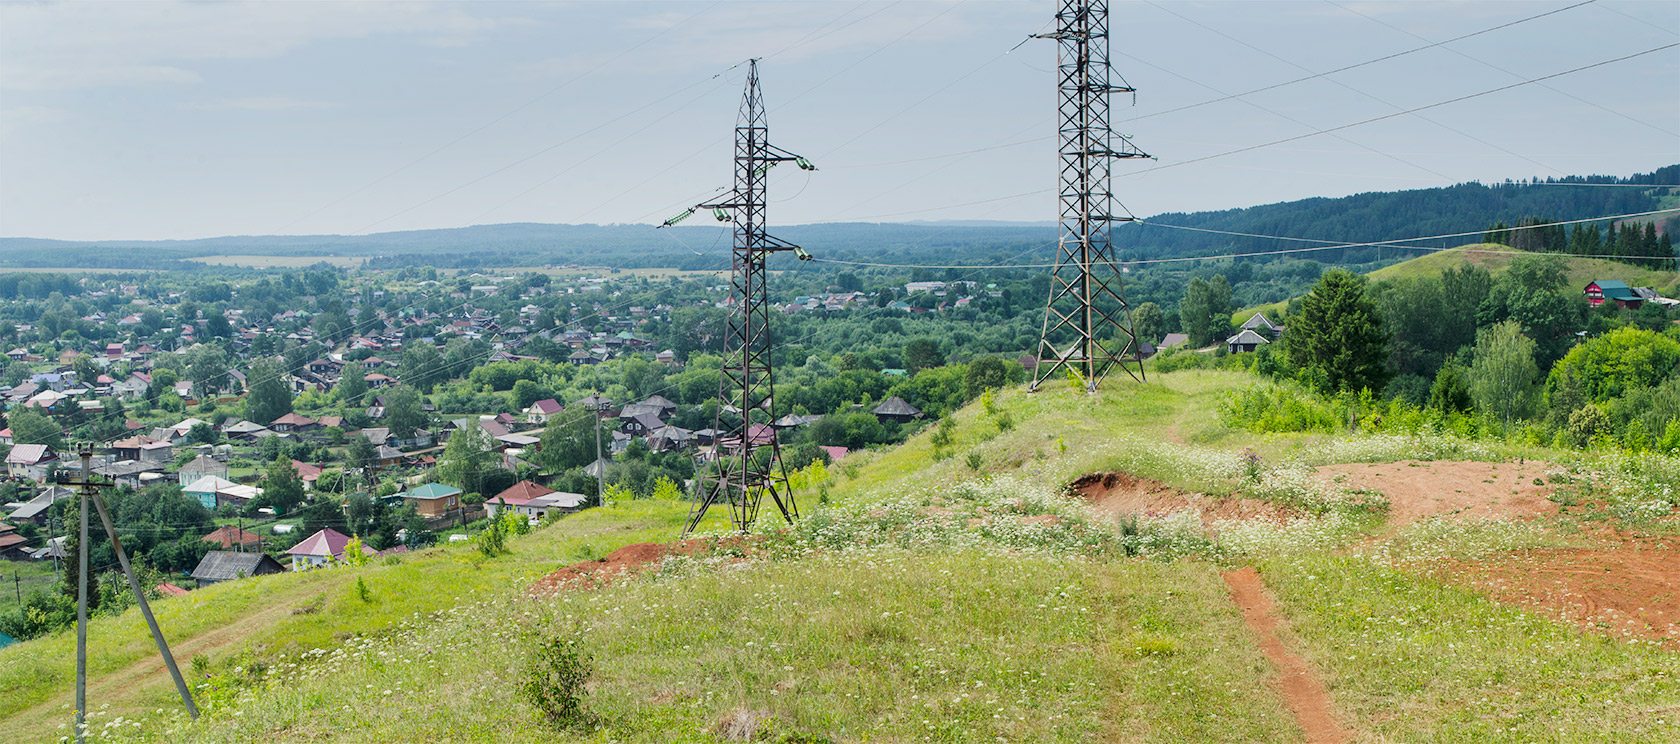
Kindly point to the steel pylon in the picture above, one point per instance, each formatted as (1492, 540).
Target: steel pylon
(742, 479)
(1087, 325)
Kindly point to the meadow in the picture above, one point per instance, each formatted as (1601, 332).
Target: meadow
(949, 589)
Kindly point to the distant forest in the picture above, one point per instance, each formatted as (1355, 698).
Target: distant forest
(1374, 216)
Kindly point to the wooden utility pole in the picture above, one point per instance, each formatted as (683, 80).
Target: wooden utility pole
(88, 487)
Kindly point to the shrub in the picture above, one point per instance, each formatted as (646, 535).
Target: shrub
(556, 676)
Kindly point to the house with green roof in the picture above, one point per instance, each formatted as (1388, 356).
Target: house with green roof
(1615, 290)
(434, 499)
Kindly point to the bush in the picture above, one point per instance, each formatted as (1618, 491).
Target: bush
(556, 676)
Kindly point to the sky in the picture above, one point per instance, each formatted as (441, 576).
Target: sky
(173, 120)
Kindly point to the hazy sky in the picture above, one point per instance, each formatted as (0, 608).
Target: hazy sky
(194, 119)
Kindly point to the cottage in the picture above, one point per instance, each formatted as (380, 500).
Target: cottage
(34, 510)
(1245, 341)
(1173, 339)
(434, 499)
(1614, 290)
(294, 423)
(895, 409)
(515, 496)
(322, 548)
(641, 424)
(1260, 324)
(226, 565)
(230, 537)
(200, 467)
(556, 502)
(30, 461)
(540, 411)
(214, 492)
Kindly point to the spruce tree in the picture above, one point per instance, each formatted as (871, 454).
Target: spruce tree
(1338, 341)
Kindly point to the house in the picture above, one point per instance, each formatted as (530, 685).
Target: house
(434, 499)
(200, 467)
(246, 431)
(1262, 325)
(12, 545)
(135, 474)
(1615, 290)
(665, 406)
(143, 449)
(30, 461)
(320, 549)
(231, 537)
(387, 456)
(226, 565)
(515, 496)
(670, 439)
(307, 473)
(540, 411)
(34, 510)
(835, 453)
(1245, 341)
(555, 502)
(895, 409)
(632, 411)
(641, 424)
(213, 492)
(294, 423)
(1173, 339)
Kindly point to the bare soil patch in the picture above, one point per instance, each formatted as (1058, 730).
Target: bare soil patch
(625, 560)
(1417, 490)
(1626, 590)
(1124, 493)
(1303, 693)
(631, 559)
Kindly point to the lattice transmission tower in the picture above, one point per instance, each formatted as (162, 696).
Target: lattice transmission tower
(743, 478)
(1087, 324)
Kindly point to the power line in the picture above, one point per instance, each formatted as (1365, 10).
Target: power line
(1272, 143)
(1329, 245)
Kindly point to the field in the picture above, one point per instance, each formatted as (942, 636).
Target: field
(1122, 567)
(280, 262)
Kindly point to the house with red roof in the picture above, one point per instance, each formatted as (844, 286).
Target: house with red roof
(230, 537)
(539, 411)
(515, 496)
(322, 548)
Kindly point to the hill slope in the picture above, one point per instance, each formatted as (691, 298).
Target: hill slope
(1374, 216)
(947, 593)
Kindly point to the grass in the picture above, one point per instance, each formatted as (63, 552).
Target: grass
(1579, 272)
(958, 646)
(273, 613)
(925, 600)
(1411, 659)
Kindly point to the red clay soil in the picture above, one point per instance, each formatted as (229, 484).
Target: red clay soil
(630, 559)
(1416, 490)
(1124, 493)
(627, 559)
(1628, 590)
(1302, 691)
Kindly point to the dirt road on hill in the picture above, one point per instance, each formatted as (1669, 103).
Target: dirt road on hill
(1297, 683)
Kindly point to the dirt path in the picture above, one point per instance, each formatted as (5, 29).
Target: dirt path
(123, 688)
(1300, 687)
(1417, 490)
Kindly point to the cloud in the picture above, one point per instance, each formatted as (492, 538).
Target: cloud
(59, 46)
(18, 118)
(263, 103)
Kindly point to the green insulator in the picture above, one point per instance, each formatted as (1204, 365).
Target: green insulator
(804, 164)
(721, 214)
(680, 217)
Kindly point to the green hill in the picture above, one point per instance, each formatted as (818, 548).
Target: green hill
(933, 592)
(1579, 271)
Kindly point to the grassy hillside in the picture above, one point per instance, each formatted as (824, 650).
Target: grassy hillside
(931, 593)
(1580, 271)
